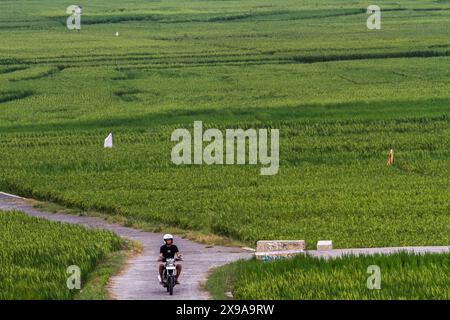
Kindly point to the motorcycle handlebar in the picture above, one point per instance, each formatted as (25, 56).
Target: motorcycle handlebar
(176, 259)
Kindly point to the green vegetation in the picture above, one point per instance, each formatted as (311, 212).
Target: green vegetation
(194, 235)
(403, 276)
(341, 95)
(96, 284)
(35, 254)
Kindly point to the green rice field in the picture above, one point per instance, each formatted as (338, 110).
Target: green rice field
(340, 94)
(403, 276)
(35, 255)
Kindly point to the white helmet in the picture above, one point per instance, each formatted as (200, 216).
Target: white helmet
(168, 237)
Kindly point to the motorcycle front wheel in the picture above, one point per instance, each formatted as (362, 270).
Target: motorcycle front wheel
(170, 285)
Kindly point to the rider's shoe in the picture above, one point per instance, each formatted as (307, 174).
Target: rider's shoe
(177, 282)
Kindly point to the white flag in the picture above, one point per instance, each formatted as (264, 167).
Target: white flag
(108, 141)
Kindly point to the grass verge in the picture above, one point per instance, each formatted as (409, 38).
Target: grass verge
(97, 286)
(194, 235)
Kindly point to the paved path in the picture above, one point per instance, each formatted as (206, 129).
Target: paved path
(371, 251)
(139, 279)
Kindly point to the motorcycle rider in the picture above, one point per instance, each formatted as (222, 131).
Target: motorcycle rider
(168, 251)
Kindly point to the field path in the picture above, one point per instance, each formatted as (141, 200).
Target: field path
(139, 279)
(336, 253)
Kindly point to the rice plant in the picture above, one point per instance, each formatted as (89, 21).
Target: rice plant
(341, 95)
(402, 276)
(35, 254)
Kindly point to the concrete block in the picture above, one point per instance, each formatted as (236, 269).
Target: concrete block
(279, 245)
(278, 249)
(324, 245)
(275, 255)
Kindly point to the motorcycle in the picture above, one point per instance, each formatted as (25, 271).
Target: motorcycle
(169, 274)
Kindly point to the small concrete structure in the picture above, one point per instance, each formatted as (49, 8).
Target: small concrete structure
(324, 245)
(277, 249)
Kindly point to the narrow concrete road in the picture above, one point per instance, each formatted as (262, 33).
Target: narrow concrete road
(139, 279)
(336, 253)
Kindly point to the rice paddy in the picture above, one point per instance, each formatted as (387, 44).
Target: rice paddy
(341, 95)
(403, 276)
(35, 255)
